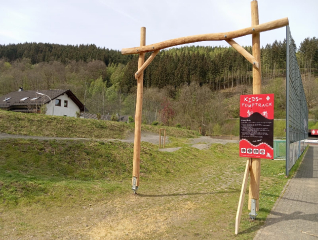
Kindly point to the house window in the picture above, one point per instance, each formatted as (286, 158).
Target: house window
(57, 102)
(24, 99)
(65, 103)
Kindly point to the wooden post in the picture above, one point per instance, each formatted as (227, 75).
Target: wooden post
(137, 139)
(242, 195)
(162, 143)
(256, 162)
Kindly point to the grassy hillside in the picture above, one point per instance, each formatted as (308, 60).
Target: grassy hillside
(55, 126)
(81, 189)
(195, 191)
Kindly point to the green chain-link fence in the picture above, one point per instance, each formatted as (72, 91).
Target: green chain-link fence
(296, 106)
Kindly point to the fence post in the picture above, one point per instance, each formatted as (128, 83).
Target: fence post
(287, 102)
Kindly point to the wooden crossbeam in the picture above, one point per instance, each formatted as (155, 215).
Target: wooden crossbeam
(243, 52)
(208, 37)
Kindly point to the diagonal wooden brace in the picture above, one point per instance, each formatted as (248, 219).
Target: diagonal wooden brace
(249, 57)
(242, 195)
(143, 67)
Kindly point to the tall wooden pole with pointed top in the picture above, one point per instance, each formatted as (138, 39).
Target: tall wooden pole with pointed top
(255, 171)
(138, 114)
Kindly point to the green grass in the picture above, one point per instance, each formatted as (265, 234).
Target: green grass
(195, 191)
(43, 125)
(33, 171)
(55, 126)
(313, 124)
(46, 173)
(294, 169)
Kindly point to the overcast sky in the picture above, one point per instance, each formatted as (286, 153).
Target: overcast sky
(115, 24)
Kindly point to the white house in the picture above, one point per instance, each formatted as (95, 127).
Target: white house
(58, 102)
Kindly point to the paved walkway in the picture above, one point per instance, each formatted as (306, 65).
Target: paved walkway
(295, 214)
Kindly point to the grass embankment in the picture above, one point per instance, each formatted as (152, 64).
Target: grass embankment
(313, 124)
(81, 189)
(190, 193)
(55, 126)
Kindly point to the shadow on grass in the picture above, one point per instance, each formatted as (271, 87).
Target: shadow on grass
(186, 194)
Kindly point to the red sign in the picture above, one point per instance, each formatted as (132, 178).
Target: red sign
(256, 126)
(314, 131)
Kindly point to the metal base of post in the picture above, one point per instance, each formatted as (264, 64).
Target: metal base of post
(134, 187)
(253, 209)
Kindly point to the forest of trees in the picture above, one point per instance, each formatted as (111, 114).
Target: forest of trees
(188, 86)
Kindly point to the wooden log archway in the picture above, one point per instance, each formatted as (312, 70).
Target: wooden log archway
(255, 29)
(208, 37)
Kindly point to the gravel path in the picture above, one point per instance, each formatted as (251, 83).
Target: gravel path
(201, 143)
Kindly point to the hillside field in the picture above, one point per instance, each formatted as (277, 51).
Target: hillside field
(81, 189)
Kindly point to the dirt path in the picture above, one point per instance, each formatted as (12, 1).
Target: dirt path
(201, 143)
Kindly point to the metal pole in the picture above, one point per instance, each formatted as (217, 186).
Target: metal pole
(287, 101)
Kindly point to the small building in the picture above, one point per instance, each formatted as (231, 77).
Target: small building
(54, 102)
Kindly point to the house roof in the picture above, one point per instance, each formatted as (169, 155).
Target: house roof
(30, 98)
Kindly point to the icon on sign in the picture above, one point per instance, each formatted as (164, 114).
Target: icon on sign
(313, 132)
(265, 114)
(267, 98)
(268, 155)
(262, 151)
(255, 151)
(243, 150)
(249, 151)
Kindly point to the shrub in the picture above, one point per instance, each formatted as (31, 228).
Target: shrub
(155, 123)
(130, 119)
(217, 129)
(43, 109)
(114, 118)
